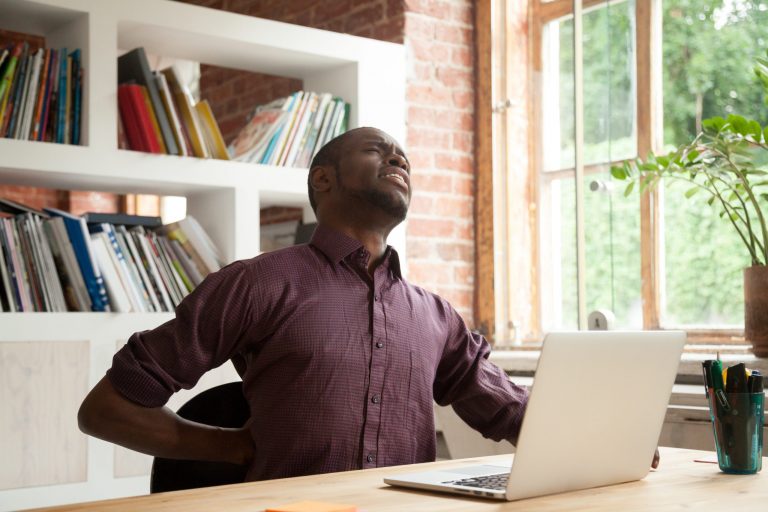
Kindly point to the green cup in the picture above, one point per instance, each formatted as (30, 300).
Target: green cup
(737, 422)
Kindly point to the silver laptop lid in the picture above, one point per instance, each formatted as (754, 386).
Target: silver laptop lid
(596, 410)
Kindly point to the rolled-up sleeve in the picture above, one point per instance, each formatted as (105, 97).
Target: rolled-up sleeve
(209, 328)
(479, 391)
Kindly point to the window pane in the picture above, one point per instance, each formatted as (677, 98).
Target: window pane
(709, 49)
(609, 87)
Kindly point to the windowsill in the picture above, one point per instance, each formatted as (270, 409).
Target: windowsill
(523, 361)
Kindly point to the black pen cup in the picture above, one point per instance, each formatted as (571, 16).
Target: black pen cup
(737, 422)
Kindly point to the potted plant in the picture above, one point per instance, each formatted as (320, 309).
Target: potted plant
(727, 161)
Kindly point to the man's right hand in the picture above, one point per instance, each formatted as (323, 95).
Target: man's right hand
(158, 431)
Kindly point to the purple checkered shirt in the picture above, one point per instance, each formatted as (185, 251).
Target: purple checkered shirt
(340, 369)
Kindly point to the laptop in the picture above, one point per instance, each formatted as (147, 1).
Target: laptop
(593, 418)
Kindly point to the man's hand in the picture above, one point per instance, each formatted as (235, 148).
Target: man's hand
(158, 431)
(655, 461)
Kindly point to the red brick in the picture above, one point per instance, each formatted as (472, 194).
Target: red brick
(420, 160)
(431, 139)
(428, 182)
(456, 251)
(453, 34)
(453, 162)
(430, 227)
(420, 27)
(464, 275)
(460, 299)
(420, 116)
(422, 72)
(429, 51)
(463, 185)
(463, 13)
(421, 204)
(463, 56)
(454, 77)
(428, 95)
(391, 31)
(429, 272)
(464, 100)
(455, 120)
(364, 17)
(458, 207)
(420, 248)
(435, 8)
(463, 141)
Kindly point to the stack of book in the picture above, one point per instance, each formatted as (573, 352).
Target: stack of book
(159, 115)
(51, 260)
(40, 94)
(289, 131)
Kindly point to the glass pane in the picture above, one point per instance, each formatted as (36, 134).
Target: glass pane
(612, 237)
(704, 260)
(709, 49)
(609, 87)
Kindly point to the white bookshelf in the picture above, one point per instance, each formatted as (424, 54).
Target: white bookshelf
(48, 361)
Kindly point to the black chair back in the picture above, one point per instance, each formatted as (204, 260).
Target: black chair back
(222, 406)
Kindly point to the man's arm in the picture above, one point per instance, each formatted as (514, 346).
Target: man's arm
(158, 431)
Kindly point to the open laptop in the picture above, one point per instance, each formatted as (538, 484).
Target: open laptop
(593, 418)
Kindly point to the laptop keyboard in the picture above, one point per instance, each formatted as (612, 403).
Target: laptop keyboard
(495, 482)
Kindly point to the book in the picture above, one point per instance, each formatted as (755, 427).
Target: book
(252, 140)
(37, 117)
(136, 117)
(123, 219)
(216, 146)
(61, 98)
(6, 82)
(133, 66)
(33, 88)
(280, 133)
(77, 231)
(185, 106)
(299, 136)
(22, 81)
(51, 280)
(77, 94)
(127, 239)
(81, 301)
(118, 296)
(288, 128)
(141, 240)
(17, 271)
(150, 112)
(175, 232)
(307, 152)
(127, 281)
(182, 140)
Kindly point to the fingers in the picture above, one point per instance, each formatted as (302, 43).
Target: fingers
(656, 458)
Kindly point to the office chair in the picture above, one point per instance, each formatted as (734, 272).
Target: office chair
(222, 406)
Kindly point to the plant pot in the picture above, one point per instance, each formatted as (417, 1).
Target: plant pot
(756, 309)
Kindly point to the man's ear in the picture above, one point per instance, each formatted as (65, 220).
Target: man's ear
(321, 178)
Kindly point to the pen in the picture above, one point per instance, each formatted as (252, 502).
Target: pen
(706, 368)
(717, 384)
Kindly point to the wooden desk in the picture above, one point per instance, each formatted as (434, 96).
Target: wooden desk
(679, 484)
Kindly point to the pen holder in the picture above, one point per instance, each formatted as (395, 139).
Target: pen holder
(737, 421)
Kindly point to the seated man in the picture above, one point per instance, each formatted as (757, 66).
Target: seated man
(340, 357)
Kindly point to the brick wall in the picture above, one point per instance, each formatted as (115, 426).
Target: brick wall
(439, 40)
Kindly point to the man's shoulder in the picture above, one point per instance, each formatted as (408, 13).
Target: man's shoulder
(292, 258)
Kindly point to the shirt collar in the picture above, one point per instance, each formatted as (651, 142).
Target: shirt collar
(337, 246)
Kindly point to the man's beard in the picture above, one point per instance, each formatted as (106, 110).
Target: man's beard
(394, 206)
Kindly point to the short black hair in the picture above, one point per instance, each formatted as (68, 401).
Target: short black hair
(329, 155)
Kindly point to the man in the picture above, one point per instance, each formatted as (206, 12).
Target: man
(340, 357)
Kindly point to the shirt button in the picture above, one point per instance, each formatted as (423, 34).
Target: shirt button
(376, 298)
(370, 458)
(376, 399)
(379, 344)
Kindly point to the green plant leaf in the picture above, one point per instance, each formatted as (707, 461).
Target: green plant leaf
(739, 124)
(713, 124)
(754, 129)
(618, 172)
(691, 192)
(629, 188)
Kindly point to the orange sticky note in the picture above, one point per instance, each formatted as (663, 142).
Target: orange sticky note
(313, 506)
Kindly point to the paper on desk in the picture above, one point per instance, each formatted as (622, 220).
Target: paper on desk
(313, 506)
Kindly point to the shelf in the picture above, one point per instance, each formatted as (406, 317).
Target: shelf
(44, 164)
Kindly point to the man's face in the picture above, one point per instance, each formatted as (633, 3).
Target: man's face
(374, 170)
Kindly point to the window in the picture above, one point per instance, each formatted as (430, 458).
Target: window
(651, 71)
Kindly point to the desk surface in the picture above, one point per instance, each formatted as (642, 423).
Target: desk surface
(678, 484)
